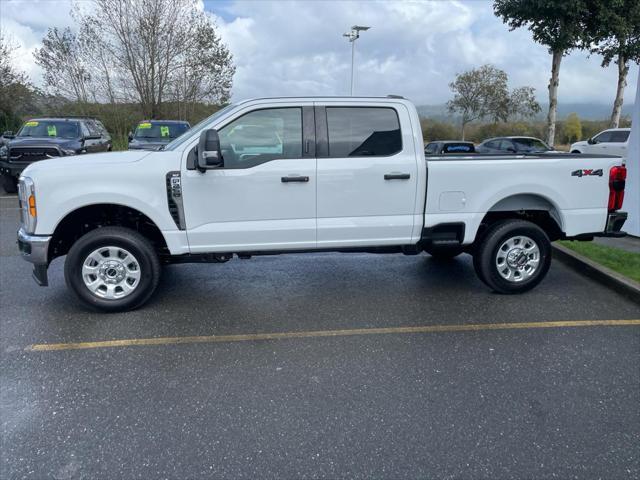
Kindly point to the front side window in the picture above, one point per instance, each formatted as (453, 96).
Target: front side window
(619, 136)
(506, 146)
(603, 137)
(363, 132)
(531, 145)
(261, 136)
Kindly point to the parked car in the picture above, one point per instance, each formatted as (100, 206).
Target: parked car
(513, 145)
(155, 134)
(613, 141)
(42, 138)
(342, 174)
(455, 147)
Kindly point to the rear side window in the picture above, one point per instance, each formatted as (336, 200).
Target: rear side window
(363, 132)
(619, 136)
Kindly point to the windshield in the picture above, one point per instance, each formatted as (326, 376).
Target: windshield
(50, 128)
(530, 145)
(197, 128)
(160, 131)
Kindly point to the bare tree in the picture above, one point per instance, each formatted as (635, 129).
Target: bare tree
(157, 51)
(63, 61)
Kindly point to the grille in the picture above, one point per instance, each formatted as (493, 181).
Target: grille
(32, 154)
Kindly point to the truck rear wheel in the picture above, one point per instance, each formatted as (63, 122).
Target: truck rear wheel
(112, 269)
(513, 256)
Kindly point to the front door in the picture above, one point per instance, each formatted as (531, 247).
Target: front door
(264, 195)
(367, 175)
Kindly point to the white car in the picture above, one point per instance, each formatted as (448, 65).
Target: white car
(613, 141)
(284, 175)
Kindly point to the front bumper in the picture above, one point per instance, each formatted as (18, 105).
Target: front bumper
(35, 249)
(10, 169)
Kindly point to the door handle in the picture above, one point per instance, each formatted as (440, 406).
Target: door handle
(397, 176)
(294, 178)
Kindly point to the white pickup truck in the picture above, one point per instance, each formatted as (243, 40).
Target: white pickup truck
(285, 175)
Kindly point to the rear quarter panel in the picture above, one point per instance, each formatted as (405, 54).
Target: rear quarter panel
(479, 184)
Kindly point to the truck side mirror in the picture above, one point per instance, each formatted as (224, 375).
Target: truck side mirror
(209, 154)
(591, 141)
(130, 136)
(8, 134)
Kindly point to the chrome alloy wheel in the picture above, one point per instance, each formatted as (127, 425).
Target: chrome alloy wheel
(111, 272)
(518, 259)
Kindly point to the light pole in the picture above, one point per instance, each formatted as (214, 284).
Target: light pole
(353, 35)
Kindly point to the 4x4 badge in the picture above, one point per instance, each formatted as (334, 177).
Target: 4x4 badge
(587, 173)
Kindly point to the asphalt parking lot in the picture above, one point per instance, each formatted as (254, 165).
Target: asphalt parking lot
(347, 402)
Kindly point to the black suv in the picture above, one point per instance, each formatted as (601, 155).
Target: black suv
(42, 138)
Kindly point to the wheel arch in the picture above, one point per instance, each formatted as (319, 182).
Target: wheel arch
(533, 207)
(82, 220)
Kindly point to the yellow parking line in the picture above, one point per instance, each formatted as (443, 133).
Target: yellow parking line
(133, 342)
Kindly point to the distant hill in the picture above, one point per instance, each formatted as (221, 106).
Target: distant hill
(586, 111)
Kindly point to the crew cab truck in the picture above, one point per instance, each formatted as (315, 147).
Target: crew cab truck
(287, 175)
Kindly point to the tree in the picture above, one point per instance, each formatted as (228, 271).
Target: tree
(523, 103)
(16, 92)
(613, 31)
(572, 128)
(157, 51)
(64, 63)
(483, 93)
(557, 24)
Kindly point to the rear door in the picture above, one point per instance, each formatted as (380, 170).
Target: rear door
(367, 175)
(264, 196)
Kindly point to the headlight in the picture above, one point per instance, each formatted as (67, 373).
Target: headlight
(4, 151)
(68, 151)
(27, 202)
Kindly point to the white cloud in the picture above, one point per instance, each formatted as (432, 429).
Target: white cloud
(414, 48)
(26, 22)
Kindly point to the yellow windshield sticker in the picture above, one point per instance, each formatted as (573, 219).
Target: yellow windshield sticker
(164, 131)
(144, 125)
(51, 130)
(31, 124)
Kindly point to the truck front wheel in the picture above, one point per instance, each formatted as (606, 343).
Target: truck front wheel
(112, 269)
(513, 256)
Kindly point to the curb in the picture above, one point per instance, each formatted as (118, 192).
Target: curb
(621, 284)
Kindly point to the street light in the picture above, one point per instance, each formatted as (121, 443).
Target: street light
(353, 35)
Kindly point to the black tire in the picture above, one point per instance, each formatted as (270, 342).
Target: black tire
(127, 239)
(9, 184)
(443, 253)
(576, 151)
(486, 256)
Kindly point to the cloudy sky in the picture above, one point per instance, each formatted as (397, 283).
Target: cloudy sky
(414, 48)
